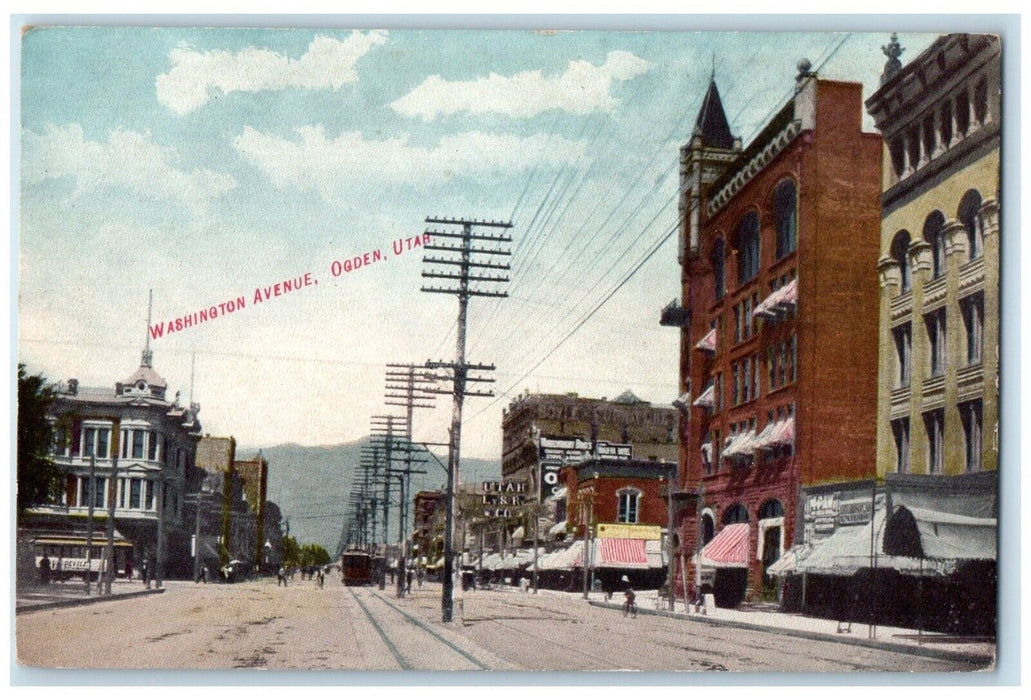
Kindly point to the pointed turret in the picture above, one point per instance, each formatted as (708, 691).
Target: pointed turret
(712, 125)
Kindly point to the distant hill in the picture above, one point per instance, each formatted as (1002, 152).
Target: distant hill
(311, 485)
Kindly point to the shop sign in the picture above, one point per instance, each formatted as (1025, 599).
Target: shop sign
(577, 449)
(549, 480)
(503, 487)
(494, 499)
(854, 512)
(497, 513)
(627, 531)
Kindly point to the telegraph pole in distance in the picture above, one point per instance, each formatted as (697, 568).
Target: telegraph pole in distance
(408, 388)
(460, 253)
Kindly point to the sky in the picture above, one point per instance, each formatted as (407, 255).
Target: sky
(208, 165)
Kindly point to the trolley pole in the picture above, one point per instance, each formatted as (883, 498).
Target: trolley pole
(461, 256)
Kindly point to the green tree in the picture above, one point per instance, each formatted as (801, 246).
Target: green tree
(38, 476)
(291, 552)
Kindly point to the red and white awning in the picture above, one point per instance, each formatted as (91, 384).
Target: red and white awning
(707, 399)
(708, 342)
(741, 445)
(728, 549)
(785, 433)
(622, 553)
(778, 302)
(764, 440)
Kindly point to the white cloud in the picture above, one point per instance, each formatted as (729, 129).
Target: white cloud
(329, 165)
(128, 159)
(328, 63)
(583, 88)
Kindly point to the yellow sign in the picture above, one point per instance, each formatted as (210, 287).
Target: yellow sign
(627, 531)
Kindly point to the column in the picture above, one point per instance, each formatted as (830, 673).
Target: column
(990, 361)
(922, 270)
(891, 282)
(955, 347)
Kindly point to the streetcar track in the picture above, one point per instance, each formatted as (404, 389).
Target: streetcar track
(390, 645)
(423, 626)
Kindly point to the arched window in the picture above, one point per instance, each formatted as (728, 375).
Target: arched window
(900, 254)
(785, 208)
(708, 528)
(748, 247)
(737, 513)
(771, 509)
(970, 217)
(934, 235)
(719, 259)
(628, 503)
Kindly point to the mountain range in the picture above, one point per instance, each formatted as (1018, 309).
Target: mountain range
(311, 485)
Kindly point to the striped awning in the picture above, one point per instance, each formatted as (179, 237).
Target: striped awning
(728, 549)
(785, 433)
(763, 441)
(778, 302)
(708, 342)
(622, 553)
(741, 445)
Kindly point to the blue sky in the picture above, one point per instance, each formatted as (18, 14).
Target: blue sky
(206, 163)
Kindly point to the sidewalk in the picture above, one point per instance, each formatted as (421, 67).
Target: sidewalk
(36, 596)
(767, 617)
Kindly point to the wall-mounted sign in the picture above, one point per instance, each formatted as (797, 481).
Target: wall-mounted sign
(573, 449)
(507, 487)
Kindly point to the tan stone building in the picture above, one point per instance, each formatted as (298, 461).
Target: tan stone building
(939, 266)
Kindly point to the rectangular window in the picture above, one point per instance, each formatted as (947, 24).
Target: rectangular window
(747, 384)
(627, 507)
(970, 414)
(138, 439)
(717, 449)
(771, 366)
(782, 369)
(747, 317)
(737, 323)
(125, 443)
(900, 431)
(134, 493)
(935, 322)
(103, 437)
(89, 442)
(794, 358)
(149, 491)
(735, 391)
(719, 391)
(903, 337)
(973, 321)
(99, 491)
(934, 423)
(152, 446)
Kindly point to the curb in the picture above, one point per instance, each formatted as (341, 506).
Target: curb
(76, 602)
(944, 654)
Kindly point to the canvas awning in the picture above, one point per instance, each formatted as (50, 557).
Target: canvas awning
(919, 532)
(763, 441)
(847, 550)
(778, 302)
(564, 558)
(557, 528)
(708, 342)
(706, 399)
(728, 549)
(621, 553)
(741, 445)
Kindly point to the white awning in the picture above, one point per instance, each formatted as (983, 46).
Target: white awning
(557, 528)
(706, 400)
(708, 342)
(741, 445)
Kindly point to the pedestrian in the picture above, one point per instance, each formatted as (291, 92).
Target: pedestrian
(321, 576)
(128, 570)
(203, 574)
(629, 603)
(281, 581)
(44, 569)
(420, 577)
(410, 577)
(146, 572)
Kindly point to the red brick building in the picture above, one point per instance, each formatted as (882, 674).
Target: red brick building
(779, 246)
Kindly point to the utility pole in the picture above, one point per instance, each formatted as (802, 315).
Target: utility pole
(407, 387)
(460, 254)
